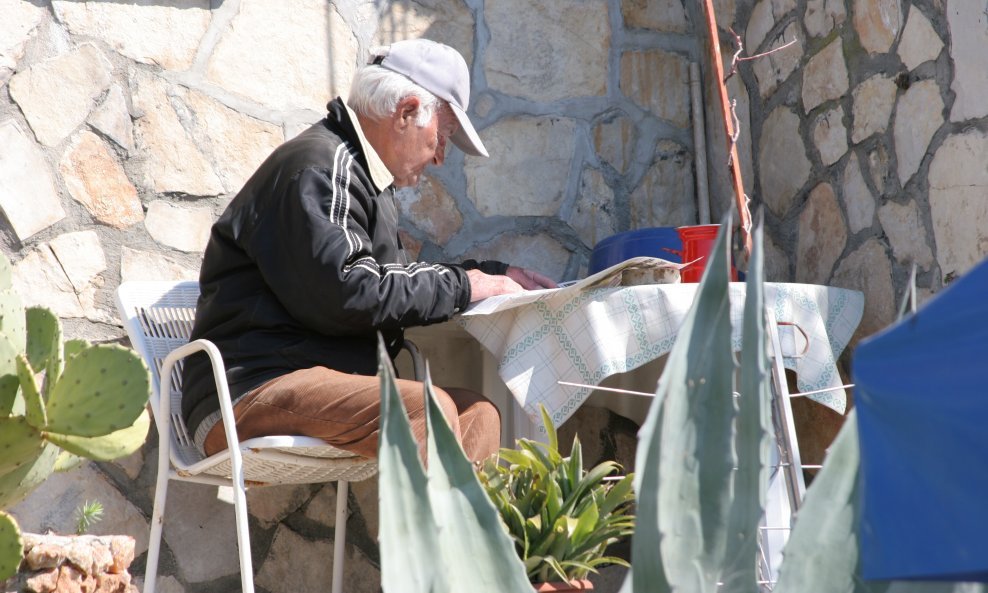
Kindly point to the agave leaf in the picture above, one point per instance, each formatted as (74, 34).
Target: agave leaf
(475, 552)
(410, 559)
(822, 552)
(684, 451)
(753, 439)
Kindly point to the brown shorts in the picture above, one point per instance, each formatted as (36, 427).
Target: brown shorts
(344, 411)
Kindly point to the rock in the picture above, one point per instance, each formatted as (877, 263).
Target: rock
(57, 95)
(775, 68)
(164, 35)
(431, 208)
(858, 199)
(903, 226)
(96, 180)
(958, 183)
(917, 119)
(659, 198)
(822, 236)
(868, 269)
(446, 22)
(179, 226)
(172, 161)
(920, 42)
(545, 56)
(658, 81)
(968, 38)
(536, 187)
(591, 216)
(112, 118)
(782, 160)
(81, 256)
(877, 23)
(614, 140)
(873, 102)
(28, 195)
(823, 16)
(830, 135)
(825, 77)
(658, 16)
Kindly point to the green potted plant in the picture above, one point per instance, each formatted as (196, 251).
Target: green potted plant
(561, 517)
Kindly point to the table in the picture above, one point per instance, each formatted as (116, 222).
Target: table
(584, 336)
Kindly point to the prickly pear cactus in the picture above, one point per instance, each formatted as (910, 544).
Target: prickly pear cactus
(11, 546)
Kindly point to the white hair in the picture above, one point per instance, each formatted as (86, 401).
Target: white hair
(376, 91)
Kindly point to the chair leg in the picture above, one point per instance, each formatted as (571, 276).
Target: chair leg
(157, 521)
(243, 533)
(339, 534)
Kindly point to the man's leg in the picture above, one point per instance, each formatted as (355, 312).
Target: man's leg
(344, 410)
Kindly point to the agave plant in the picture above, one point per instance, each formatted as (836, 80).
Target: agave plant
(561, 517)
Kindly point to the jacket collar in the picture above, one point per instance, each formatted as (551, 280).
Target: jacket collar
(379, 173)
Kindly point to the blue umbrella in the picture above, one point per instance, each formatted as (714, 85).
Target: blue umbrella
(922, 408)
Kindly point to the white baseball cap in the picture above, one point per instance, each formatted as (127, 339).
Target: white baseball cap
(442, 71)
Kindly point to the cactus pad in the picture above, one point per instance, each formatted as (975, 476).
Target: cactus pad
(17, 484)
(67, 461)
(6, 273)
(34, 408)
(11, 547)
(19, 443)
(12, 323)
(73, 347)
(44, 338)
(107, 447)
(103, 389)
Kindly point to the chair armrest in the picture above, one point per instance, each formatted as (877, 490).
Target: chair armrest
(417, 365)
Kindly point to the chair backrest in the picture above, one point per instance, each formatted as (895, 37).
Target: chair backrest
(158, 317)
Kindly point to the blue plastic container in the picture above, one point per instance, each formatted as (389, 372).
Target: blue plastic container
(663, 242)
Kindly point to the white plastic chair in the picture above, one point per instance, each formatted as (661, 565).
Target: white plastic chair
(158, 318)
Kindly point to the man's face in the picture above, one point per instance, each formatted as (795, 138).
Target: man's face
(418, 147)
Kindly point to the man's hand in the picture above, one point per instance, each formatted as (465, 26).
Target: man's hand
(484, 285)
(528, 279)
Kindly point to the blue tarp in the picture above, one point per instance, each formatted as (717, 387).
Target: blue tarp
(921, 393)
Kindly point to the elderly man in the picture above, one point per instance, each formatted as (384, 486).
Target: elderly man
(305, 267)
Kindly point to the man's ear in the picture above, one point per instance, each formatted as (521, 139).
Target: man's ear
(406, 111)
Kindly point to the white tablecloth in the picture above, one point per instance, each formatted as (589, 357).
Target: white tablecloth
(584, 336)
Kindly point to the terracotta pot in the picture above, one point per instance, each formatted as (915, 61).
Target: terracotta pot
(564, 587)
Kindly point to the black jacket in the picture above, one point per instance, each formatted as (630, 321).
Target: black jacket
(305, 266)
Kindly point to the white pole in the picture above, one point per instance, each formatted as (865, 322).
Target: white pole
(700, 145)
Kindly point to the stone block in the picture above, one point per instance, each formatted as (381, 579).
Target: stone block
(164, 35)
(830, 135)
(903, 225)
(271, 504)
(449, 22)
(200, 530)
(20, 20)
(112, 118)
(431, 208)
(658, 81)
(146, 265)
(773, 69)
(542, 50)
(249, 58)
(825, 76)
(663, 15)
(782, 160)
(81, 256)
(40, 280)
(823, 16)
(877, 23)
(665, 196)
(96, 180)
(536, 186)
(822, 236)
(968, 38)
(295, 564)
(181, 227)
(57, 95)
(171, 160)
(920, 42)
(859, 203)
(874, 100)
(614, 139)
(869, 270)
(528, 250)
(28, 195)
(592, 217)
(958, 183)
(917, 119)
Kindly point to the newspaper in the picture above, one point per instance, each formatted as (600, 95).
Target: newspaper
(631, 272)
